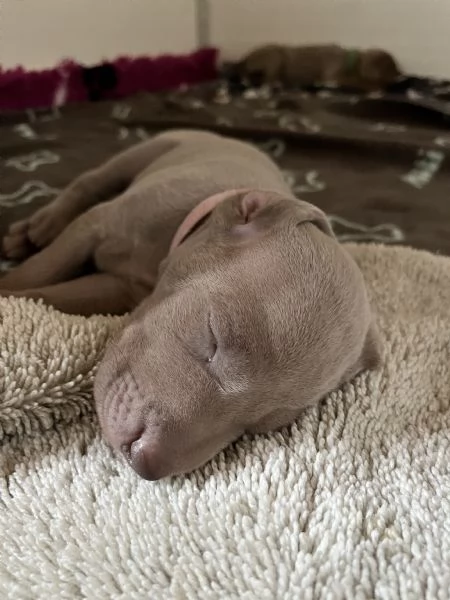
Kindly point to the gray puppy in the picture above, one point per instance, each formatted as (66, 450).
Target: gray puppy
(245, 308)
(328, 64)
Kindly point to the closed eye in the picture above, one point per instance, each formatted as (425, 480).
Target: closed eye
(212, 356)
(203, 347)
(212, 343)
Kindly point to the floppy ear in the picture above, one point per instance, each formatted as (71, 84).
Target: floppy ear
(253, 205)
(371, 352)
(308, 213)
(370, 357)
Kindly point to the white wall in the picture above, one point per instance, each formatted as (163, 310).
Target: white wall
(39, 33)
(417, 32)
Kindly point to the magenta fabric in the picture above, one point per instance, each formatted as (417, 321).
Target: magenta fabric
(21, 89)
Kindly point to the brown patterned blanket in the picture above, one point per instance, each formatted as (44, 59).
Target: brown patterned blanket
(376, 164)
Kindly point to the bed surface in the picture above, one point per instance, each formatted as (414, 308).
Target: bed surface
(377, 165)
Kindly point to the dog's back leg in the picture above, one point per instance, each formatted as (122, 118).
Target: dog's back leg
(93, 187)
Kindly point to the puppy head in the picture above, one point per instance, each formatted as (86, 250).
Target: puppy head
(264, 65)
(378, 68)
(256, 315)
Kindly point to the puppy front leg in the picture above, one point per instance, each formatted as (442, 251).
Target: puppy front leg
(62, 260)
(99, 293)
(93, 187)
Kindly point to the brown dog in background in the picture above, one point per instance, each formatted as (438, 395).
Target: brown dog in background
(245, 308)
(331, 65)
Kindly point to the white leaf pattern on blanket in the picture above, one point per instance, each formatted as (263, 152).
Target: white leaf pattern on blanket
(132, 133)
(267, 113)
(224, 121)
(388, 127)
(311, 182)
(26, 132)
(43, 115)
(30, 162)
(261, 93)
(414, 95)
(425, 168)
(295, 123)
(121, 111)
(196, 104)
(288, 122)
(442, 141)
(28, 192)
(222, 96)
(348, 231)
(274, 147)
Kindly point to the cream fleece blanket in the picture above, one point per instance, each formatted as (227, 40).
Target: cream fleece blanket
(353, 501)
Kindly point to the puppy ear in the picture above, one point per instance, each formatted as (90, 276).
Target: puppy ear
(256, 205)
(308, 213)
(370, 357)
(379, 66)
(371, 352)
(251, 205)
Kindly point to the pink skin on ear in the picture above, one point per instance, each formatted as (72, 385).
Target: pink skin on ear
(251, 204)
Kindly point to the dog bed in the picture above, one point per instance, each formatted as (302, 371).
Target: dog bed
(71, 82)
(352, 501)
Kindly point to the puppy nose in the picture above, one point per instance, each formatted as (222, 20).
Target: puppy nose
(143, 460)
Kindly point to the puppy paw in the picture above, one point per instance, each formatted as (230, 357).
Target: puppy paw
(16, 245)
(46, 224)
(38, 231)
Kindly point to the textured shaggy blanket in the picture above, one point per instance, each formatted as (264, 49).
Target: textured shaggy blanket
(352, 501)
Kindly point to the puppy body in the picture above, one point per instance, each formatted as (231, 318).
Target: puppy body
(320, 65)
(256, 314)
(127, 211)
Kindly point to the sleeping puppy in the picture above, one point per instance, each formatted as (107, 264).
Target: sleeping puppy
(331, 65)
(245, 309)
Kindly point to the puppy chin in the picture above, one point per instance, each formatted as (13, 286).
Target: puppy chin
(199, 462)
